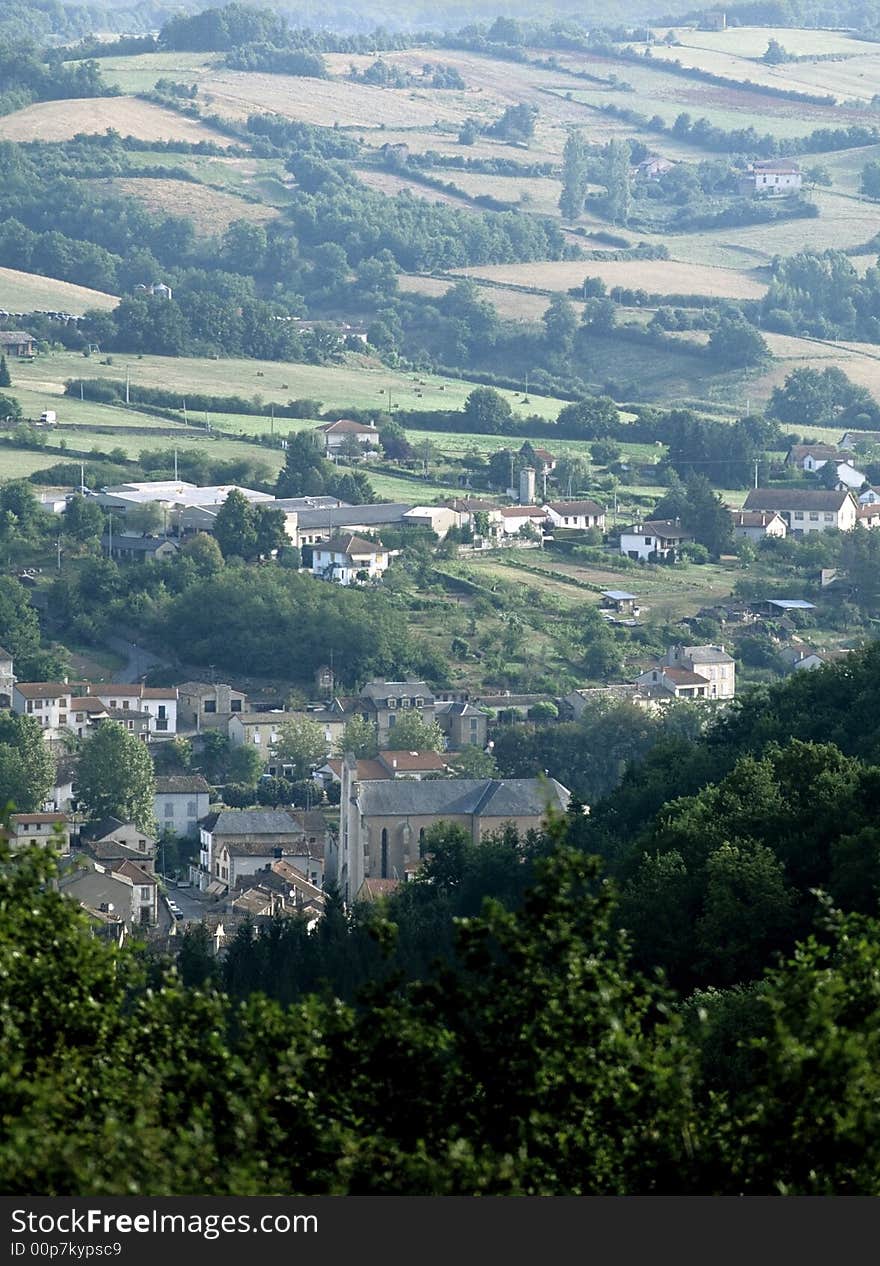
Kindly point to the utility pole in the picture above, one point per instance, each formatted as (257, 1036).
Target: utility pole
(81, 392)
(175, 466)
(82, 479)
(756, 473)
(127, 383)
(58, 545)
(109, 535)
(185, 423)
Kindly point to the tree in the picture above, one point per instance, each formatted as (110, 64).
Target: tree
(412, 733)
(617, 181)
(775, 54)
(301, 745)
(735, 344)
(27, 767)
(234, 528)
(269, 526)
(5, 378)
(473, 762)
(115, 776)
(204, 552)
(359, 737)
(146, 518)
(870, 180)
(83, 519)
(10, 409)
(574, 176)
(243, 765)
(560, 325)
(486, 411)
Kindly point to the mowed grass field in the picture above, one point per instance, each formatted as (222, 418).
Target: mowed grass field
(360, 382)
(512, 305)
(211, 210)
(28, 292)
(62, 120)
(657, 276)
(139, 73)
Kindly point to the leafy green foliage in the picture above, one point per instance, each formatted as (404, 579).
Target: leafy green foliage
(115, 777)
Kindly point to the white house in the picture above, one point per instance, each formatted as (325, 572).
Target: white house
(179, 802)
(337, 436)
(350, 560)
(849, 477)
(676, 683)
(236, 842)
(50, 830)
(811, 510)
(575, 514)
(755, 525)
(773, 176)
(709, 662)
(811, 457)
(158, 702)
(515, 518)
(654, 539)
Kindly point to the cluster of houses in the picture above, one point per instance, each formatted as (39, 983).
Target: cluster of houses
(773, 177)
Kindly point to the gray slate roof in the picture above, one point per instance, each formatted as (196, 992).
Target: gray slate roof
(251, 822)
(353, 516)
(708, 655)
(794, 499)
(178, 784)
(488, 797)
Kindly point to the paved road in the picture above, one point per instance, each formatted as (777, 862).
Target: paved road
(193, 909)
(138, 660)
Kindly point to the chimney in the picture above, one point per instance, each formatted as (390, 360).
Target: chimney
(277, 853)
(393, 762)
(526, 486)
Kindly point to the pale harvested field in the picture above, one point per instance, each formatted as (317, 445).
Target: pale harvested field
(211, 210)
(236, 94)
(444, 141)
(859, 361)
(389, 183)
(26, 292)
(657, 276)
(512, 305)
(62, 120)
(751, 41)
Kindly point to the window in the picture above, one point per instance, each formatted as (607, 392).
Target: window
(146, 894)
(648, 540)
(62, 718)
(38, 704)
(392, 721)
(113, 703)
(419, 701)
(392, 703)
(30, 705)
(191, 808)
(257, 739)
(814, 516)
(161, 724)
(405, 702)
(798, 514)
(829, 518)
(236, 705)
(161, 711)
(210, 705)
(125, 705)
(130, 724)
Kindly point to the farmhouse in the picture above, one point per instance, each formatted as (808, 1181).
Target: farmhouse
(383, 701)
(45, 829)
(772, 176)
(338, 437)
(811, 457)
(655, 539)
(710, 662)
(673, 683)
(16, 343)
(350, 560)
(754, 525)
(575, 514)
(806, 511)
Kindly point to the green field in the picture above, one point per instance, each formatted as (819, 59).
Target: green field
(29, 292)
(139, 73)
(360, 382)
